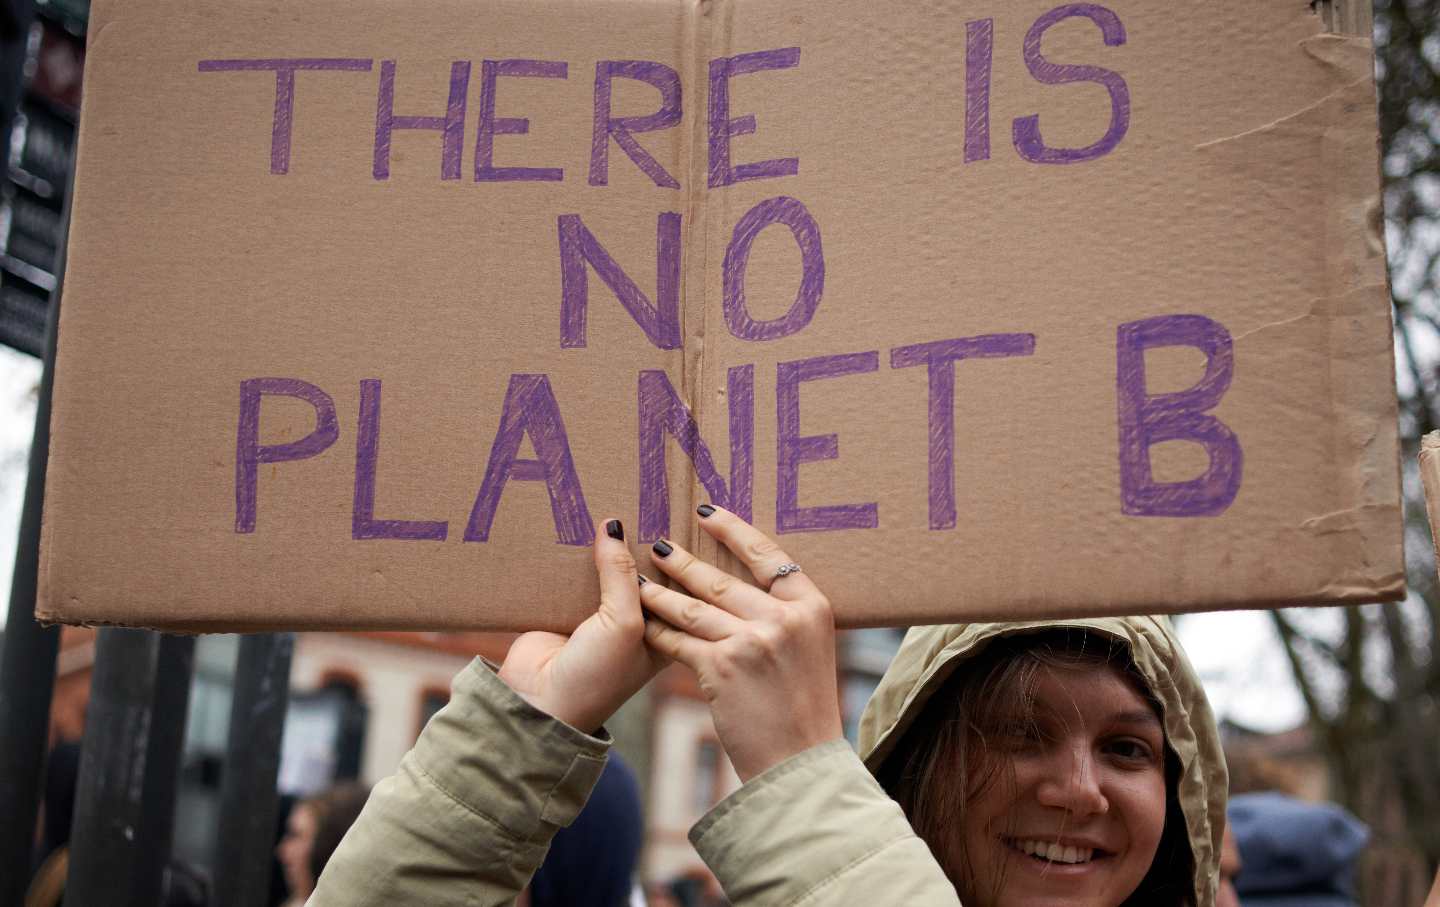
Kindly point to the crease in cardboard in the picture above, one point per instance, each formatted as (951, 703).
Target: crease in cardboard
(1279, 323)
(1289, 119)
(695, 50)
(1361, 588)
(1352, 55)
(1325, 308)
(1350, 520)
(709, 19)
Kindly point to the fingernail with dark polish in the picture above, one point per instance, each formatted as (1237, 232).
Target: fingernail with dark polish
(615, 530)
(663, 548)
(704, 510)
(640, 577)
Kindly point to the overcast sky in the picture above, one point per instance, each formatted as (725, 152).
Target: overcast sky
(19, 384)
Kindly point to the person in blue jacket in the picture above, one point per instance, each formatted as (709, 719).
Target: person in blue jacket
(1294, 853)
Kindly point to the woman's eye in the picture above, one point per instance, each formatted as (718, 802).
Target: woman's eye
(1131, 749)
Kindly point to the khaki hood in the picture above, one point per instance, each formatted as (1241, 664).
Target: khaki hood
(929, 655)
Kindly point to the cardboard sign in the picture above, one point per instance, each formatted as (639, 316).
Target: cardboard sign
(986, 309)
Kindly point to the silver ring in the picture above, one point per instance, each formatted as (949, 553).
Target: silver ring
(785, 570)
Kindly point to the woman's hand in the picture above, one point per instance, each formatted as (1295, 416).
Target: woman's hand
(765, 660)
(583, 678)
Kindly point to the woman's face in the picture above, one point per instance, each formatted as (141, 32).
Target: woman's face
(294, 850)
(1075, 813)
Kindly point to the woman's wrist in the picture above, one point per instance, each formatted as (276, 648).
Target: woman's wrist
(553, 707)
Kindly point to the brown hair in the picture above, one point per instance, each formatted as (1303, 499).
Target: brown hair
(942, 762)
(335, 809)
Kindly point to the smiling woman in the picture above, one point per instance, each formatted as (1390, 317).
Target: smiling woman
(1047, 764)
(1047, 753)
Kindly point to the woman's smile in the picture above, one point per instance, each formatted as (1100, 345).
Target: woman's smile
(1056, 850)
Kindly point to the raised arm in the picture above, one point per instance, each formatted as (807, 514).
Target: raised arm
(810, 825)
(509, 761)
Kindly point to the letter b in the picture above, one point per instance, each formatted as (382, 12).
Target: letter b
(1149, 419)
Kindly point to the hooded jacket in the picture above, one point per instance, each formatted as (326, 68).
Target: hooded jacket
(470, 813)
(930, 655)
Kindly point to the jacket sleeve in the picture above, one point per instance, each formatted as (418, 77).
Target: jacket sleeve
(818, 831)
(469, 815)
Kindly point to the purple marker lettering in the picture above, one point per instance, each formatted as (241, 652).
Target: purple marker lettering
(1026, 130)
(250, 453)
(940, 357)
(723, 128)
(579, 247)
(451, 126)
(491, 126)
(281, 126)
(979, 50)
(806, 231)
(623, 129)
(662, 412)
(363, 524)
(1148, 419)
(530, 409)
(791, 449)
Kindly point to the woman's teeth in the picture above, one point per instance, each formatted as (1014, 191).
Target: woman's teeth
(1053, 852)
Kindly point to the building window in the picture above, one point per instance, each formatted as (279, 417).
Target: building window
(432, 700)
(324, 736)
(346, 683)
(709, 770)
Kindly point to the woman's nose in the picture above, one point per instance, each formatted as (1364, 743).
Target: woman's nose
(1072, 783)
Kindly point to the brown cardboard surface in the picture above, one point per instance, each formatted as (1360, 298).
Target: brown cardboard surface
(1187, 186)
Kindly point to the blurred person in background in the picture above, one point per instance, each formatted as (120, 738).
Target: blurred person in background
(312, 833)
(593, 861)
(1230, 867)
(1294, 853)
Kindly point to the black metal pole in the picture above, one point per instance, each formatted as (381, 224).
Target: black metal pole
(27, 662)
(248, 799)
(16, 17)
(129, 762)
(174, 670)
